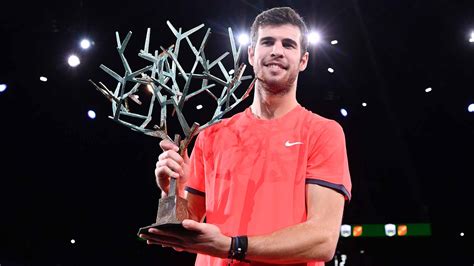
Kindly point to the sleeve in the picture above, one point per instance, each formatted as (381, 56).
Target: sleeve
(196, 181)
(327, 160)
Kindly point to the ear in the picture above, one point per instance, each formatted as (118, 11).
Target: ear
(250, 53)
(304, 61)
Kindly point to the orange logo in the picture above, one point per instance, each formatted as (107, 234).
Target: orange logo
(357, 231)
(402, 230)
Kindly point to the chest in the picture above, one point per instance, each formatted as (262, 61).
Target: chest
(256, 152)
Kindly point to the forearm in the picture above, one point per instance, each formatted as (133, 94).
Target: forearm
(296, 244)
(312, 240)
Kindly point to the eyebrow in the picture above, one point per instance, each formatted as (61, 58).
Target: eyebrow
(286, 40)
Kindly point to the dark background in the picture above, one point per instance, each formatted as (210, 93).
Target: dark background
(64, 176)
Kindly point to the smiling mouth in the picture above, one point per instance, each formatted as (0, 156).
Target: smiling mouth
(275, 66)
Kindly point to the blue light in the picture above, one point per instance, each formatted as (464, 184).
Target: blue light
(85, 44)
(91, 114)
(3, 87)
(470, 108)
(314, 37)
(343, 112)
(73, 60)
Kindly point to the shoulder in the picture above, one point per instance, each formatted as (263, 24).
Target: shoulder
(319, 123)
(321, 129)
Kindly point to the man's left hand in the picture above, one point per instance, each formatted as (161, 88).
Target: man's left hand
(202, 238)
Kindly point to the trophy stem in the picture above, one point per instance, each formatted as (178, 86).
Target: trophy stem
(172, 209)
(173, 188)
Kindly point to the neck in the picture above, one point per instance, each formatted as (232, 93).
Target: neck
(267, 105)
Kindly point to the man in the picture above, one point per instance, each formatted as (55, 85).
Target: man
(272, 180)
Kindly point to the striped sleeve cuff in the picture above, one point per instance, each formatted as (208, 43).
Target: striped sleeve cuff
(337, 187)
(194, 191)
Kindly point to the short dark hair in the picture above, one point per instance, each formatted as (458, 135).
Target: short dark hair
(280, 16)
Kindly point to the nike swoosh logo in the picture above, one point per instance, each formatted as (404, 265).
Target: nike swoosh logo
(289, 144)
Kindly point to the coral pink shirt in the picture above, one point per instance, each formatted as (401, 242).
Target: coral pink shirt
(253, 172)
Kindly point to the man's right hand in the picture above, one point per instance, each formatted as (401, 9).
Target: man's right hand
(171, 164)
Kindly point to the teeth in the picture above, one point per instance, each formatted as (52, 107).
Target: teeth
(274, 66)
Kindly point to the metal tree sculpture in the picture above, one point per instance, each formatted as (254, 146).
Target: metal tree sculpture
(162, 76)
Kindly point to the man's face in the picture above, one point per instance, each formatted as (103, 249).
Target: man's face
(276, 58)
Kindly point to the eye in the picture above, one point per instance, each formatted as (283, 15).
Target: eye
(289, 45)
(267, 41)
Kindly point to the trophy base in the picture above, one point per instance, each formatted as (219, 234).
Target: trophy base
(174, 227)
(172, 211)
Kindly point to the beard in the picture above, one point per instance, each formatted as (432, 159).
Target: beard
(276, 86)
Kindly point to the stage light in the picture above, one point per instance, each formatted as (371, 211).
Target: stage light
(428, 89)
(333, 42)
(3, 87)
(461, 234)
(44, 79)
(73, 241)
(472, 37)
(343, 260)
(314, 37)
(73, 61)
(343, 112)
(199, 107)
(390, 230)
(91, 114)
(330, 70)
(470, 108)
(244, 39)
(85, 44)
(364, 104)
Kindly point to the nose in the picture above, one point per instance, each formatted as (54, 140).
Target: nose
(277, 50)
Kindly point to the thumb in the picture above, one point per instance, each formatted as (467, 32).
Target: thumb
(192, 225)
(186, 156)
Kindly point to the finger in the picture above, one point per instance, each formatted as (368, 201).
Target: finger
(150, 239)
(166, 245)
(163, 172)
(153, 242)
(162, 239)
(163, 182)
(170, 154)
(143, 236)
(171, 165)
(168, 145)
